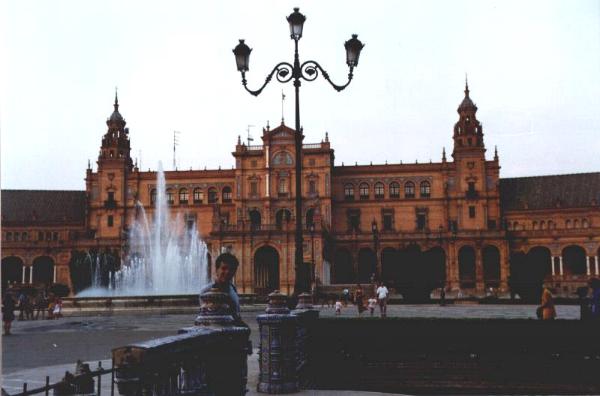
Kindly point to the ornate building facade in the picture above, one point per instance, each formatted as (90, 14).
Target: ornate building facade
(418, 227)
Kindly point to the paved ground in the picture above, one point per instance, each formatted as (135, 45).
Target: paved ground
(40, 348)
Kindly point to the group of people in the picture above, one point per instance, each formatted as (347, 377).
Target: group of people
(378, 296)
(30, 307)
(589, 306)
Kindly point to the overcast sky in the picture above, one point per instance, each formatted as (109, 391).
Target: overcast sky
(533, 69)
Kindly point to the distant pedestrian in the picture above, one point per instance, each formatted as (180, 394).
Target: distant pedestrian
(41, 305)
(8, 312)
(57, 312)
(338, 307)
(22, 305)
(372, 303)
(358, 299)
(345, 296)
(29, 307)
(548, 312)
(382, 296)
(442, 296)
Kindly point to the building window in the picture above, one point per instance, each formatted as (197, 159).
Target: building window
(110, 221)
(153, 197)
(421, 220)
(24, 236)
(311, 162)
(282, 158)
(282, 187)
(253, 188)
(198, 195)
(48, 236)
(409, 190)
(379, 191)
(472, 212)
(425, 189)
(349, 192)
(55, 236)
(111, 196)
(584, 223)
(170, 197)
(363, 191)
(388, 220)
(568, 224)
(394, 190)
(491, 224)
(353, 220)
(534, 225)
(213, 196)
(183, 196)
(227, 194)
(9, 236)
(40, 236)
(542, 225)
(312, 187)
(253, 163)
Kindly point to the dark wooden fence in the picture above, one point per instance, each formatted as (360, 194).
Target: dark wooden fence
(456, 356)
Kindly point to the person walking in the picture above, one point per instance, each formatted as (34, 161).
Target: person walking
(22, 305)
(372, 304)
(548, 312)
(382, 296)
(442, 296)
(8, 312)
(41, 305)
(358, 299)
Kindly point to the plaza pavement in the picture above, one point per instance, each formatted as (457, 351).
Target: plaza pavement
(50, 347)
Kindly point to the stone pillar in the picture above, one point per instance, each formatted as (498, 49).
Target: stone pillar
(587, 265)
(54, 275)
(306, 320)
(552, 261)
(560, 265)
(479, 281)
(23, 275)
(31, 274)
(596, 265)
(277, 352)
(504, 271)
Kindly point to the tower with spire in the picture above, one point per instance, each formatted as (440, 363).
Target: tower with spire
(468, 133)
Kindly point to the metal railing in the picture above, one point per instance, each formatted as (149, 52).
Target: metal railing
(73, 384)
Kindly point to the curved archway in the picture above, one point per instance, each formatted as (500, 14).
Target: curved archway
(43, 270)
(466, 267)
(266, 270)
(434, 269)
(342, 269)
(367, 265)
(389, 266)
(12, 271)
(491, 266)
(574, 259)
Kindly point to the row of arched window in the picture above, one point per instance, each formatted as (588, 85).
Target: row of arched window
(364, 190)
(197, 196)
(549, 224)
(16, 236)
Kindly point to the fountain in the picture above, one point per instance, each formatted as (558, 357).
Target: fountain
(166, 256)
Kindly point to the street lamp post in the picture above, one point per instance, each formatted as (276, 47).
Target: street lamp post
(375, 232)
(311, 228)
(286, 72)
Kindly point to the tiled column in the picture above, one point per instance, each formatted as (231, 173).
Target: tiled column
(587, 265)
(31, 274)
(23, 275)
(596, 265)
(560, 265)
(54, 276)
(552, 260)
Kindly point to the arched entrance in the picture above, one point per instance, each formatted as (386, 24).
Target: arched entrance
(43, 270)
(435, 269)
(574, 260)
(466, 267)
(342, 269)
(527, 273)
(389, 266)
(367, 265)
(12, 271)
(491, 266)
(266, 270)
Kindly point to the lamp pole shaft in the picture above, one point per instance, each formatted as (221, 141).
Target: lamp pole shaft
(299, 284)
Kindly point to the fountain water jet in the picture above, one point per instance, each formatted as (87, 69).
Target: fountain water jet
(165, 257)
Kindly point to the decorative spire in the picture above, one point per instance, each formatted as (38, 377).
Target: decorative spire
(89, 164)
(466, 85)
(495, 153)
(239, 142)
(282, 100)
(444, 154)
(326, 137)
(116, 99)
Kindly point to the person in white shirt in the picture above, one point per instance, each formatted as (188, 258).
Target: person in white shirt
(338, 307)
(372, 304)
(382, 295)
